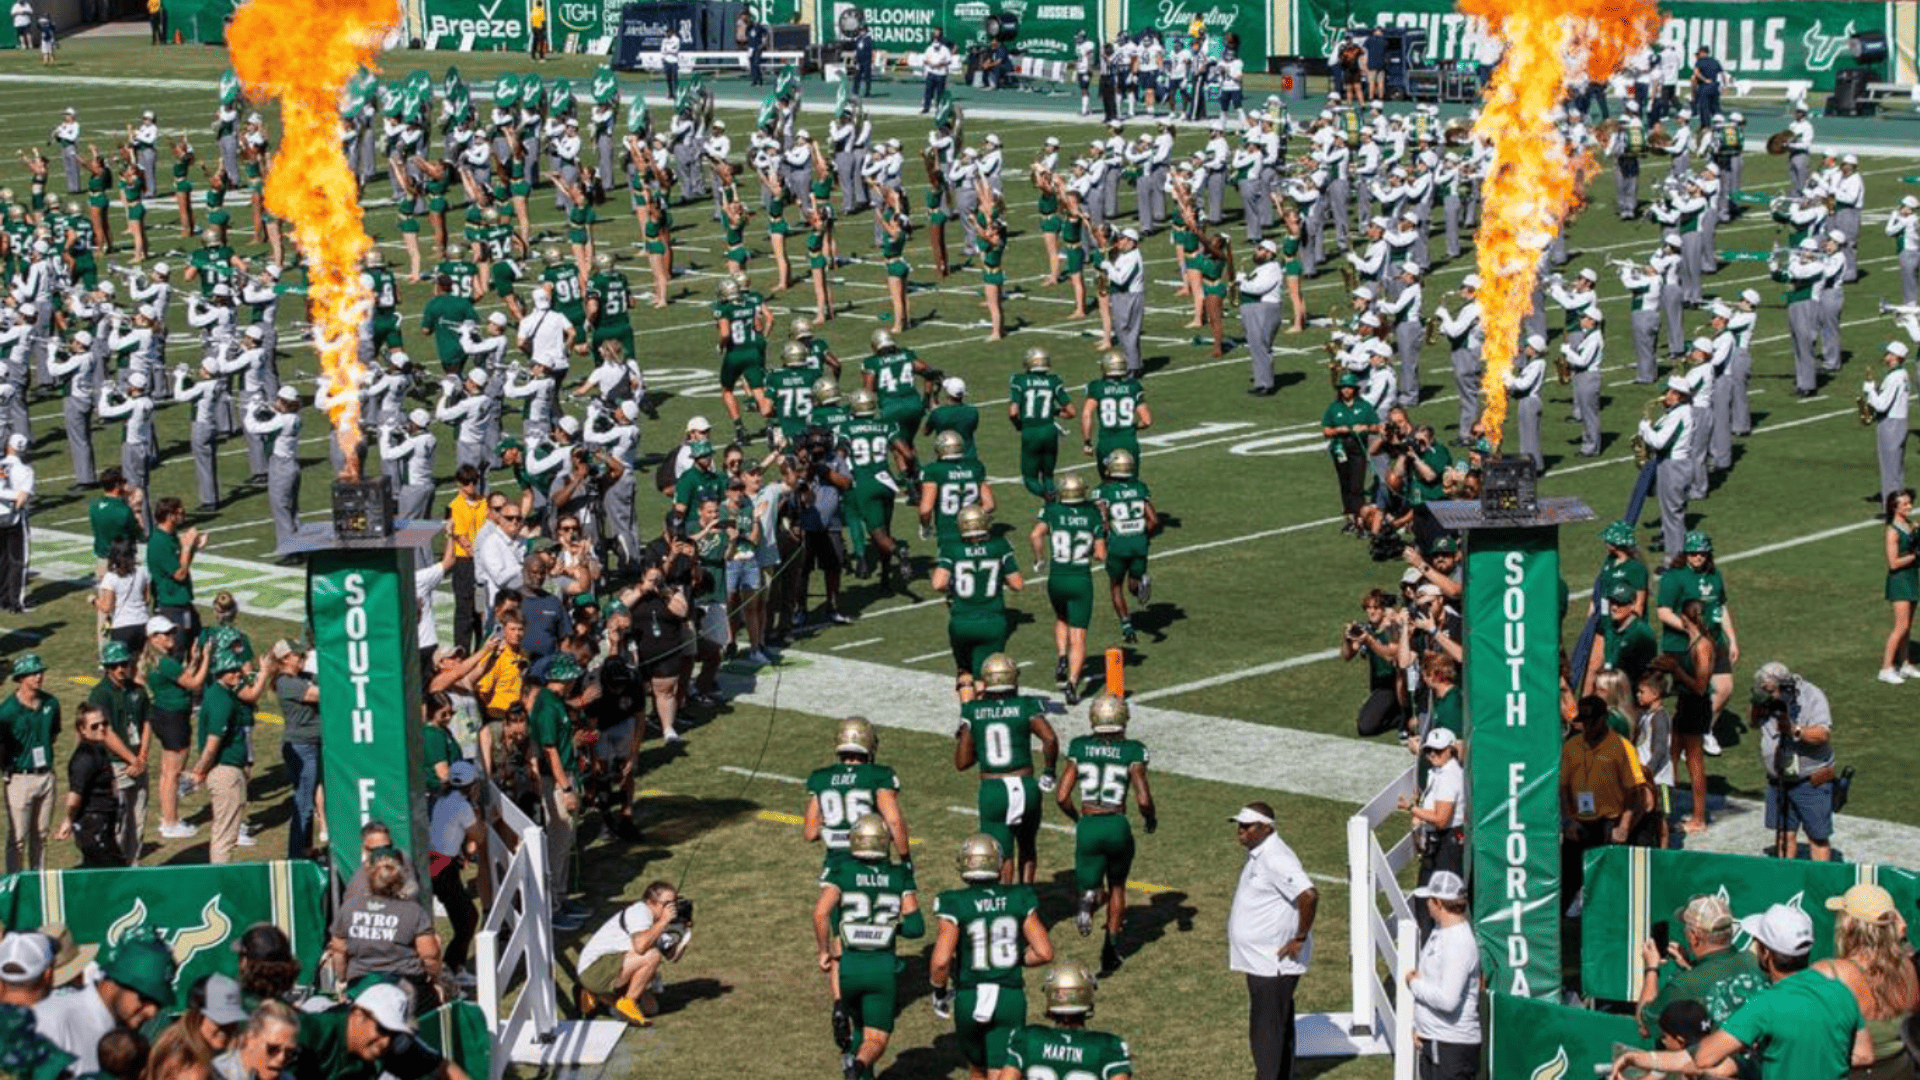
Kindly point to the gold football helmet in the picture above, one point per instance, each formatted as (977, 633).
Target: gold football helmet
(1120, 464)
(825, 390)
(881, 340)
(802, 327)
(1072, 489)
(979, 858)
(793, 354)
(1068, 988)
(1113, 365)
(854, 735)
(949, 444)
(863, 402)
(869, 839)
(1000, 672)
(974, 521)
(1108, 715)
(1038, 360)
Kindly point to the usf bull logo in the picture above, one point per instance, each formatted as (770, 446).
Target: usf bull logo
(212, 931)
(1553, 1069)
(1823, 48)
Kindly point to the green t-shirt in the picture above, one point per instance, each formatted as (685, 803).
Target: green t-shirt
(1002, 727)
(110, 519)
(989, 918)
(1116, 402)
(225, 717)
(444, 315)
(1072, 529)
(846, 792)
(695, 486)
(324, 1055)
(550, 726)
(1104, 765)
(1044, 1051)
(1039, 396)
(437, 747)
(1355, 413)
(1681, 584)
(868, 441)
(867, 918)
(979, 573)
(163, 681)
(1420, 492)
(163, 560)
(1800, 1028)
(1631, 648)
(1125, 504)
(1721, 981)
(1631, 571)
(956, 485)
(27, 733)
(126, 709)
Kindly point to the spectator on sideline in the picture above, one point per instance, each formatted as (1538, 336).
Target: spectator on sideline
(128, 709)
(265, 1050)
(1682, 1025)
(157, 21)
(122, 595)
(937, 61)
(268, 970)
(1702, 966)
(1872, 958)
(1440, 815)
(363, 1039)
(172, 684)
(1600, 791)
(299, 699)
(1801, 1026)
(226, 733)
(135, 983)
(29, 728)
(1270, 937)
(170, 551)
(91, 815)
(458, 835)
(1446, 984)
(26, 968)
(1796, 749)
(385, 932)
(537, 23)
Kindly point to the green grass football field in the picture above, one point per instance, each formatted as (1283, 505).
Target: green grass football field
(1252, 582)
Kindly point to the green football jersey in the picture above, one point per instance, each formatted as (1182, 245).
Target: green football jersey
(1039, 395)
(791, 389)
(980, 572)
(743, 333)
(462, 273)
(1044, 1052)
(615, 296)
(1104, 766)
(868, 441)
(892, 373)
(867, 919)
(847, 792)
(1115, 403)
(1071, 530)
(989, 918)
(956, 485)
(834, 417)
(964, 419)
(386, 292)
(1002, 730)
(1125, 502)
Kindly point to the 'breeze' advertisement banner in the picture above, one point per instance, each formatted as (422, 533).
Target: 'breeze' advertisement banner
(1774, 39)
(1513, 724)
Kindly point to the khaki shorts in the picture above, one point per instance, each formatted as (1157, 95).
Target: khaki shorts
(603, 976)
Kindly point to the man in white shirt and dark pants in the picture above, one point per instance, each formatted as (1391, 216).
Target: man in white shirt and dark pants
(1269, 937)
(1446, 984)
(938, 62)
(1127, 292)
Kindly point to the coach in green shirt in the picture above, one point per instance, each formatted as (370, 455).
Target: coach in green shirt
(29, 727)
(129, 730)
(226, 728)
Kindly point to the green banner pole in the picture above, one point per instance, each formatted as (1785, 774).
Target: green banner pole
(1511, 681)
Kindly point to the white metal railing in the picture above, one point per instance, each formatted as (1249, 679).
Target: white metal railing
(517, 934)
(1380, 940)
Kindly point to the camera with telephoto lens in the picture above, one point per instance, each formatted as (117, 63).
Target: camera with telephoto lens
(1355, 631)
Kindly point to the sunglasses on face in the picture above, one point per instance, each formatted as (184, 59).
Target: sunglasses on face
(509, 517)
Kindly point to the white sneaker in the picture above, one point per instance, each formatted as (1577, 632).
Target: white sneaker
(1890, 677)
(1909, 671)
(245, 839)
(181, 831)
(758, 657)
(1711, 745)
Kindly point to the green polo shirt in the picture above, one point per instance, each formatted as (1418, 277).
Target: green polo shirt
(27, 733)
(550, 725)
(163, 559)
(324, 1054)
(224, 716)
(126, 709)
(1802, 1027)
(110, 519)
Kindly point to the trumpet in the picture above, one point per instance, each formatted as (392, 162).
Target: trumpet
(1625, 265)
(1905, 311)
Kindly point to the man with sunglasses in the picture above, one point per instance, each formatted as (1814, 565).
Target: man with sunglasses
(496, 549)
(1440, 816)
(1269, 936)
(127, 705)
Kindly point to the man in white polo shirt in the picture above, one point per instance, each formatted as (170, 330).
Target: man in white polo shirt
(1269, 937)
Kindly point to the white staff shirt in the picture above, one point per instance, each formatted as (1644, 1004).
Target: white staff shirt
(1446, 986)
(1888, 398)
(1265, 915)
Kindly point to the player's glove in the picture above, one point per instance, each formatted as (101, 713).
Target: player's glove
(1153, 822)
(943, 1002)
(1046, 783)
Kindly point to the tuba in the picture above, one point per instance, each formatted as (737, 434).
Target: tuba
(1456, 132)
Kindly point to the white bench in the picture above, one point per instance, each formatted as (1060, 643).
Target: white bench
(721, 61)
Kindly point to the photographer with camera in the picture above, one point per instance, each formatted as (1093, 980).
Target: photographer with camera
(620, 964)
(821, 476)
(1377, 638)
(1796, 749)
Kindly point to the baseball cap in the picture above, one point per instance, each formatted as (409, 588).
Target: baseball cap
(389, 1005)
(1252, 814)
(1443, 885)
(223, 1000)
(699, 423)
(1438, 739)
(1898, 348)
(1130, 234)
(955, 386)
(159, 624)
(1868, 903)
(1783, 929)
(286, 647)
(288, 393)
(17, 442)
(1687, 1021)
(24, 957)
(463, 774)
(1621, 592)
(1269, 247)
(1411, 576)
(1471, 281)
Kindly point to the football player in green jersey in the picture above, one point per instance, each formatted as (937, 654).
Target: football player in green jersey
(742, 328)
(1101, 769)
(828, 410)
(610, 305)
(975, 572)
(987, 933)
(464, 272)
(997, 730)
(1131, 521)
(1114, 412)
(890, 372)
(788, 402)
(871, 443)
(820, 354)
(386, 302)
(1036, 400)
(1069, 1048)
(866, 903)
(563, 277)
(950, 484)
(840, 794)
(1074, 535)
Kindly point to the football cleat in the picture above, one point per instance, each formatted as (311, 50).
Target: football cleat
(1110, 959)
(1146, 590)
(854, 735)
(949, 444)
(979, 858)
(974, 521)
(1068, 988)
(1060, 670)
(842, 1027)
(1083, 912)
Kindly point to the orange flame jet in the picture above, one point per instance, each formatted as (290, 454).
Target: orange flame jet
(1536, 182)
(304, 52)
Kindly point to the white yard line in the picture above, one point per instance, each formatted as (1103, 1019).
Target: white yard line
(774, 776)
(857, 644)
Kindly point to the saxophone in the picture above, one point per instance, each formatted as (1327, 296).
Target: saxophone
(1349, 277)
(1648, 414)
(1562, 370)
(1868, 414)
(1432, 333)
